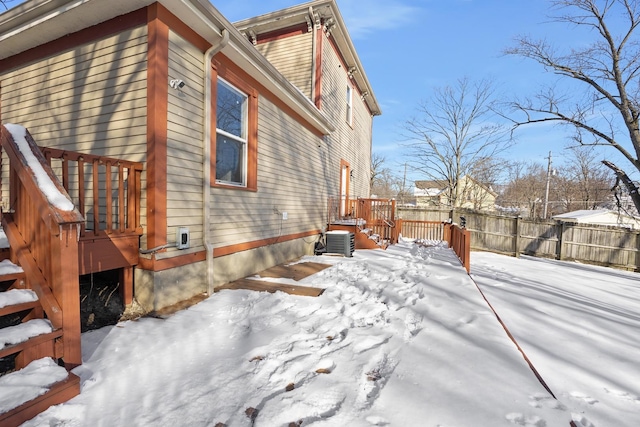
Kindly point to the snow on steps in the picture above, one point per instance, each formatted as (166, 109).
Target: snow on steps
(16, 300)
(31, 390)
(23, 332)
(17, 296)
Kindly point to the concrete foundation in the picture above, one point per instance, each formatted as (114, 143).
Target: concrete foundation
(246, 263)
(158, 289)
(155, 290)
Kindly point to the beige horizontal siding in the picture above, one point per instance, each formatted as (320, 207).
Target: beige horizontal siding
(184, 141)
(83, 97)
(351, 143)
(292, 57)
(90, 99)
(290, 179)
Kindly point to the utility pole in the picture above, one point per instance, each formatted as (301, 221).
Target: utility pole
(546, 190)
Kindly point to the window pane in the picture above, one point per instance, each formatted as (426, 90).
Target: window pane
(230, 110)
(229, 159)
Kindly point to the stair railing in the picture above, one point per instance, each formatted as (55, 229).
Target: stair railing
(43, 234)
(106, 190)
(379, 215)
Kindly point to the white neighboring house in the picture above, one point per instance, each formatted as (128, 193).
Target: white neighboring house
(600, 217)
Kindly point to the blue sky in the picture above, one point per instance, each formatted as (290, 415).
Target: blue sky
(409, 47)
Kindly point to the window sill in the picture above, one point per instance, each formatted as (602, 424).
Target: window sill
(233, 187)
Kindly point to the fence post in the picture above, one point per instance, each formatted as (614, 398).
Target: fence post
(637, 233)
(516, 243)
(560, 234)
(466, 250)
(397, 230)
(446, 233)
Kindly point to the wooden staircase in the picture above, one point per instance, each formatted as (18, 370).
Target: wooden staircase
(39, 287)
(30, 347)
(371, 220)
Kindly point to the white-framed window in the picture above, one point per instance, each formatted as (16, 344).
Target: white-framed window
(349, 104)
(231, 134)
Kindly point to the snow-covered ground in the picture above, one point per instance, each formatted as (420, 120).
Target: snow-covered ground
(400, 337)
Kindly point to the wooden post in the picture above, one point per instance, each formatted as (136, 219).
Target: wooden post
(465, 251)
(637, 234)
(516, 238)
(560, 226)
(65, 285)
(126, 285)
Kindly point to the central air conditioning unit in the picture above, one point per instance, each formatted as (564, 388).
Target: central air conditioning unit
(340, 242)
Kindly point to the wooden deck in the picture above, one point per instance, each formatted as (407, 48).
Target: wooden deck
(296, 272)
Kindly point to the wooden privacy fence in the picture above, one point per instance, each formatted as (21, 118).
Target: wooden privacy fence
(592, 244)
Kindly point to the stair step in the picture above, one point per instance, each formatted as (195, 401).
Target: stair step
(9, 272)
(16, 338)
(31, 390)
(17, 300)
(7, 268)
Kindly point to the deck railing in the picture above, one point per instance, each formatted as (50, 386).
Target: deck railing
(458, 238)
(422, 230)
(44, 240)
(106, 190)
(377, 215)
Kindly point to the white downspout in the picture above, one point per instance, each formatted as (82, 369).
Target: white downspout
(206, 163)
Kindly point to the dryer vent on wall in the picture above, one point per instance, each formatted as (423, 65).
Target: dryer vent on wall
(340, 242)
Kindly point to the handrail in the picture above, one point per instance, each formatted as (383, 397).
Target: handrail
(118, 210)
(459, 239)
(378, 215)
(46, 238)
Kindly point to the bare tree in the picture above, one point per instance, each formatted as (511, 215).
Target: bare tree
(586, 181)
(454, 132)
(525, 189)
(377, 167)
(607, 113)
(385, 183)
(7, 3)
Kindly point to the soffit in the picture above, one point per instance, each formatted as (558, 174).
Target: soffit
(36, 22)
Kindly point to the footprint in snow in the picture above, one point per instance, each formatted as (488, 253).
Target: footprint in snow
(541, 400)
(623, 395)
(369, 343)
(308, 407)
(522, 420)
(467, 320)
(375, 420)
(580, 420)
(374, 378)
(581, 396)
(413, 322)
